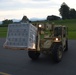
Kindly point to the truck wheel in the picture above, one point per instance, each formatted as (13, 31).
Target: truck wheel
(66, 48)
(33, 54)
(57, 52)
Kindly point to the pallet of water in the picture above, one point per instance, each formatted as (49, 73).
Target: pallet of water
(21, 36)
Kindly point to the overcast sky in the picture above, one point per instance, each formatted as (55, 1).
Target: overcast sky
(15, 9)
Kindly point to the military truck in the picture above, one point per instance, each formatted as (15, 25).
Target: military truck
(37, 40)
(54, 43)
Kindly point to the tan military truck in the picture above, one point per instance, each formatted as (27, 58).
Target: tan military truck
(54, 43)
(25, 36)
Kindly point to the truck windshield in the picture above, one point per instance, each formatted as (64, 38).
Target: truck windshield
(58, 31)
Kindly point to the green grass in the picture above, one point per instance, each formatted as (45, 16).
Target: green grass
(3, 31)
(72, 34)
(71, 24)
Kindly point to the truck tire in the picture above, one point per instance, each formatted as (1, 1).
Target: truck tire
(66, 47)
(57, 52)
(33, 54)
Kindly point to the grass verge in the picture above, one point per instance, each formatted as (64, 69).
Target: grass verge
(71, 29)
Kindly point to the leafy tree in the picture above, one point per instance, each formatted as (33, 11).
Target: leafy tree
(24, 19)
(64, 11)
(6, 22)
(72, 14)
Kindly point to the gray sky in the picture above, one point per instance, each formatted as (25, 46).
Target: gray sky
(15, 9)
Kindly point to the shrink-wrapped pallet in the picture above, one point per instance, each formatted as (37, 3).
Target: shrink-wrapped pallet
(21, 36)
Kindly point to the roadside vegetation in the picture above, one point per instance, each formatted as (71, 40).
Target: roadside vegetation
(71, 24)
(3, 32)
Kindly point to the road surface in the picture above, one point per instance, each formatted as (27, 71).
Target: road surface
(17, 62)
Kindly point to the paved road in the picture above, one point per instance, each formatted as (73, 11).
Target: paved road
(18, 63)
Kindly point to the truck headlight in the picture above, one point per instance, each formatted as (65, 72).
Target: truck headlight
(40, 25)
(33, 46)
(56, 39)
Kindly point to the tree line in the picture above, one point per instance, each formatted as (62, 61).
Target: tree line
(6, 22)
(66, 12)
